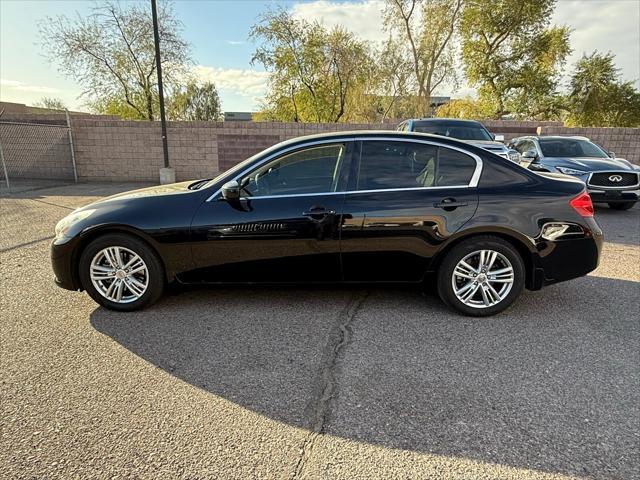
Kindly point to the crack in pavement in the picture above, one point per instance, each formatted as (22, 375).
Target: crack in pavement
(318, 408)
(26, 244)
(51, 203)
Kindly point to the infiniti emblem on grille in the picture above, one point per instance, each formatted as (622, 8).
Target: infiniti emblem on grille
(615, 178)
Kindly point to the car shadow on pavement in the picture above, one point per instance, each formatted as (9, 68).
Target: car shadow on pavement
(550, 385)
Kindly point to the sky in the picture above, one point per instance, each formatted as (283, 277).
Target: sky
(218, 31)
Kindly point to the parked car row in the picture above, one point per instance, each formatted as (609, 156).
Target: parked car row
(610, 180)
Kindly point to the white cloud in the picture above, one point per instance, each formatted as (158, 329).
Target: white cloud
(236, 42)
(25, 87)
(604, 25)
(248, 83)
(362, 18)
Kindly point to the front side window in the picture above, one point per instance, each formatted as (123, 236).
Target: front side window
(394, 165)
(311, 170)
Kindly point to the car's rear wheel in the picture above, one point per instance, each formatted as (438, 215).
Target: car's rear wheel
(622, 205)
(481, 276)
(121, 272)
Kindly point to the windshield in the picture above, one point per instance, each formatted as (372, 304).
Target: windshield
(461, 132)
(570, 148)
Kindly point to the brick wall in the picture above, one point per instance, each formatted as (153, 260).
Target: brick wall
(115, 150)
(109, 149)
(512, 129)
(49, 118)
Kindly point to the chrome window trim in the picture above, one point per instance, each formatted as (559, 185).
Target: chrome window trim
(279, 153)
(352, 192)
(475, 178)
(628, 187)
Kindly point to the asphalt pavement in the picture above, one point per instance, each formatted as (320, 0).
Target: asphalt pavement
(314, 382)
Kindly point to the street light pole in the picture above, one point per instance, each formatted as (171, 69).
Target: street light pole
(167, 174)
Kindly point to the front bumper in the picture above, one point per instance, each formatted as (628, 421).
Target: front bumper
(62, 262)
(601, 195)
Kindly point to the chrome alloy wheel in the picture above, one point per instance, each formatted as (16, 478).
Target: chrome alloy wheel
(119, 274)
(482, 279)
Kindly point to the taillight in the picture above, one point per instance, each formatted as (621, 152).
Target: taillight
(582, 204)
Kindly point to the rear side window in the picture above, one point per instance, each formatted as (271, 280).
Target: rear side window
(454, 168)
(392, 165)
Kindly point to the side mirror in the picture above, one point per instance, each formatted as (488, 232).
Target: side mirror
(537, 167)
(498, 138)
(230, 190)
(612, 154)
(530, 154)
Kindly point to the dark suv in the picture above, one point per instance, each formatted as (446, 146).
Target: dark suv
(610, 180)
(468, 131)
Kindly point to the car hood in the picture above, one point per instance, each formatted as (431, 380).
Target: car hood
(148, 192)
(487, 144)
(591, 164)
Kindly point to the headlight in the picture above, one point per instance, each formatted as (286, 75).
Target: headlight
(514, 156)
(63, 225)
(571, 171)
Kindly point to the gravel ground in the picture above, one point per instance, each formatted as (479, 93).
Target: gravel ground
(314, 383)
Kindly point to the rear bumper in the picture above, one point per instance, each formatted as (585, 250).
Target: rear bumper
(62, 264)
(613, 195)
(563, 260)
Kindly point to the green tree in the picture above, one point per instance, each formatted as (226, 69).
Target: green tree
(512, 56)
(51, 103)
(195, 102)
(315, 73)
(465, 108)
(116, 105)
(111, 54)
(426, 29)
(598, 97)
(388, 92)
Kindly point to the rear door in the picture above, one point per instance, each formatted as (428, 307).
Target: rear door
(404, 199)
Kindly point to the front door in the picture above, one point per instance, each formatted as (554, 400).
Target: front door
(285, 227)
(405, 198)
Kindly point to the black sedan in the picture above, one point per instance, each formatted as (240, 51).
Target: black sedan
(340, 207)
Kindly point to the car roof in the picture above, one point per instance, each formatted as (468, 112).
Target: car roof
(394, 134)
(554, 137)
(377, 133)
(442, 121)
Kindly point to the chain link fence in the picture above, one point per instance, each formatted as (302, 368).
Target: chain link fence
(35, 155)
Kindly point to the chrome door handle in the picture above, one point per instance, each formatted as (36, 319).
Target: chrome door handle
(450, 203)
(318, 212)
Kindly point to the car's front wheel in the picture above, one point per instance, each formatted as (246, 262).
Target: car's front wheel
(481, 276)
(622, 205)
(121, 272)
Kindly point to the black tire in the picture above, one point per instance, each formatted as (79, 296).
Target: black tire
(622, 205)
(155, 271)
(460, 251)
